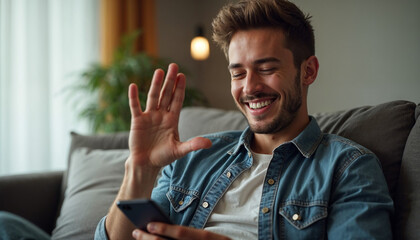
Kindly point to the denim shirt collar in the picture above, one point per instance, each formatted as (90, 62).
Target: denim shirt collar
(306, 142)
(309, 139)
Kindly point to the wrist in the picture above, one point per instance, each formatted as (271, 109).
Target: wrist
(138, 181)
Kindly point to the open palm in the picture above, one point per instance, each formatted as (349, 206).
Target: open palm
(154, 139)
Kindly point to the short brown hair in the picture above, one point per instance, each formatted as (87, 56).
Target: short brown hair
(252, 14)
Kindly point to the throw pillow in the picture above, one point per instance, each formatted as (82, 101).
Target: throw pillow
(105, 141)
(94, 178)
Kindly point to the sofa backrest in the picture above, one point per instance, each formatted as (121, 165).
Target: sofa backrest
(383, 128)
(386, 129)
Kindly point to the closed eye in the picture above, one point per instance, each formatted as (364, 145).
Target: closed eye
(237, 75)
(267, 70)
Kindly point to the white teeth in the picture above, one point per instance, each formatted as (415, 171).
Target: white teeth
(259, 104)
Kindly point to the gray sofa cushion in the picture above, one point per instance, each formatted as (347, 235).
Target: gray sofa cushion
(407, 218)
(383, 129)
(34, 196)
(195, 121)
(115, 141)
(94, 178)
(105, 141)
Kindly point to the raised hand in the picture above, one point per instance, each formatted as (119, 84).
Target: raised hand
(154, 142)
(154, 139)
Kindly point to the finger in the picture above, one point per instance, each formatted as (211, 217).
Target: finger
(181, 232)
(138, 234)
(154, 91)
(133, 97)
(168, 86)
(194, 144)
(179, 94)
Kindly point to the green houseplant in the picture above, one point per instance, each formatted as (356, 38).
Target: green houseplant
(110, 111)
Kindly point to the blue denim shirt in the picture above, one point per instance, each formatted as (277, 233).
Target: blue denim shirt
(325, 186)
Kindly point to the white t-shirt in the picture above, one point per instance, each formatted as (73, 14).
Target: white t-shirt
(236, 213)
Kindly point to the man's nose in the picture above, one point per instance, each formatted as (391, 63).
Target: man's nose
(252, 83)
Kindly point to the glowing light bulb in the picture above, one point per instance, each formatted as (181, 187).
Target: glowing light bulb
(200, 49)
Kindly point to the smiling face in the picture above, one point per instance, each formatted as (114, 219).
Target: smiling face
(266, 85)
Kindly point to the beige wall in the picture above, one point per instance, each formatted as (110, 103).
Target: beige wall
(368, 50)
(176, 22)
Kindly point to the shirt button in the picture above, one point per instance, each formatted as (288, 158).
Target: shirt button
(228, 174)
(205, 204)
(265, 210)
(181, 202)
(296, 217)
(249, 154)
(271, 181)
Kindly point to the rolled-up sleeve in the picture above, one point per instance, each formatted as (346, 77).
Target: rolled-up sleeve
(100, 232)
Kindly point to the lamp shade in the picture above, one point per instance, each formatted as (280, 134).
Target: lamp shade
(200, 49)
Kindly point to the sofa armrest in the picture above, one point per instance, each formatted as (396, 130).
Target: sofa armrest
(34, 196)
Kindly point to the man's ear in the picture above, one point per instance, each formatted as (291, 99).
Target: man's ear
(309, 70)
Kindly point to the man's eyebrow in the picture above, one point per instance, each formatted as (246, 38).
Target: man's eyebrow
(266, 60)
(234, 65)
(256, 62)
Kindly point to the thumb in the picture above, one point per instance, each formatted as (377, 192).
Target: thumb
(199, 143)
(194, 144)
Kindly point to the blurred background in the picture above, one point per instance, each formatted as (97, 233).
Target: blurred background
(368, 53)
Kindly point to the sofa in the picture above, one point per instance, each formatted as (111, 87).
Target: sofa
(68, 204)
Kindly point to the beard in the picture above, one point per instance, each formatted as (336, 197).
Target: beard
(292, 101)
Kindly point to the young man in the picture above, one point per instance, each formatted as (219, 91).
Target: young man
(281, 178)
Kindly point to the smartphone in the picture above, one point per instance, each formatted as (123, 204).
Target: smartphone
(142, 211)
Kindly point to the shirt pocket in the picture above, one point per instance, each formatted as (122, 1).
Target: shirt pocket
(181, 198)
(302, 216)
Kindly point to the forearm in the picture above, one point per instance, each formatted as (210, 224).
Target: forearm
(137, 183)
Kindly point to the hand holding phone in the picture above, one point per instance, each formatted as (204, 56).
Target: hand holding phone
(142, 211)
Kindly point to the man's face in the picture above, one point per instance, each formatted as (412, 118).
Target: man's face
(265, 82)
